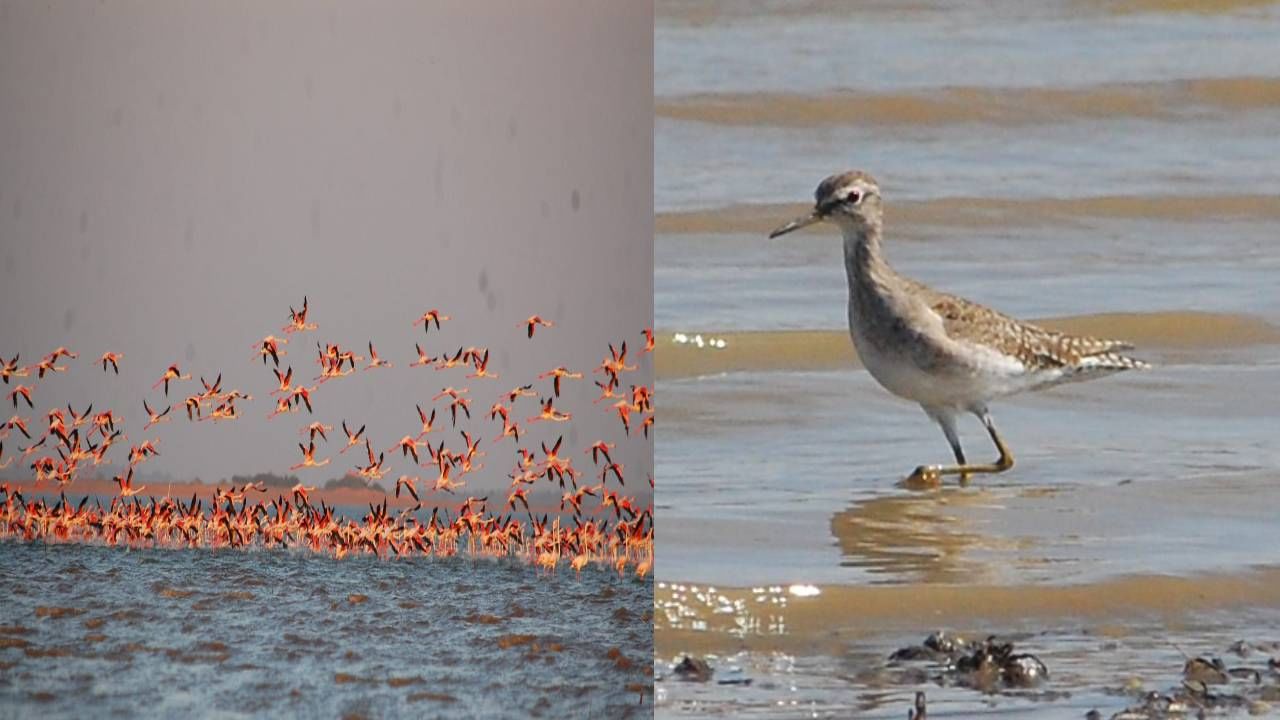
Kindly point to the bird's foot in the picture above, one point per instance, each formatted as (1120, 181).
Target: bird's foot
(924, 477)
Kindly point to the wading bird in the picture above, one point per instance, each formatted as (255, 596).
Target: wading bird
(948, 354)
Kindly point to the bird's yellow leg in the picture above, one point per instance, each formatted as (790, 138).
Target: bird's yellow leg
(929, 475)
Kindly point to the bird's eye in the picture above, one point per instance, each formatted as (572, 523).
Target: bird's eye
(853, 197)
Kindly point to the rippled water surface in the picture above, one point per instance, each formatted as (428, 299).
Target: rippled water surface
(107, 632)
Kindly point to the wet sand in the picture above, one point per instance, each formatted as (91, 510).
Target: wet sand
(988, 105)
(983, 213)
(680, 356)
(977, 213)
(1200, 7)
(695, 618)
(707, 12)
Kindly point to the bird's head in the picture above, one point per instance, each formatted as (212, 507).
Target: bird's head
(851, 200)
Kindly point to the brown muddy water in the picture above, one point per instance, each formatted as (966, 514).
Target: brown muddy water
(1105, 169)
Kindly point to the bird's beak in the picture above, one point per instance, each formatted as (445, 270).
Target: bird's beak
(796, 224)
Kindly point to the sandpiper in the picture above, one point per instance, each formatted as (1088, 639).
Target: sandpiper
(949, 354)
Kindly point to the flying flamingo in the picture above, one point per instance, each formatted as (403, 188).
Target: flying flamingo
(126, 484)
(193, 405)
(616, 469)
(155, 418)
(284, 405)
(410, 484)
(80, 419)
(509, 429)
(574, 499)
(300, 492)
(47, 365)
(22, 391)
(447, 362)
(607, 391)
(284, 380)
(353, 438)
(375, 361)
(139, 453)
(407, 446)
(114, 359)
(308, 457)
(10, 369)
(427, 422)
(443, 482)
(519, 392)
(316, 428)
(302, 394)
(521, 494)
(482, 368)
(624, 409)
(533, 322)
(423, 358)
(19, 423)
(497, 409)
(270, 347)
(431, 316)
(298, 319)
(549, 413)
(171, 374)
(558, 373)
(616, 364)
(459, 402)
(600, 448)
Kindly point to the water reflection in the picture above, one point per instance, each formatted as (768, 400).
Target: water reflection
(916, 538)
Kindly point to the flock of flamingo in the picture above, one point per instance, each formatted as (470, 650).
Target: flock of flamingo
(611, 529)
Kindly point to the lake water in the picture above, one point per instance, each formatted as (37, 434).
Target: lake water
(263, 633)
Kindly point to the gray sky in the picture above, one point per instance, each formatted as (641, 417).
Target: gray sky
(174, 176)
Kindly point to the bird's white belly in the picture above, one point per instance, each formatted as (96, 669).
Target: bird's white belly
(984, 375)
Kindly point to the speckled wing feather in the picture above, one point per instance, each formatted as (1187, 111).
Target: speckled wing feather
(1035, 347)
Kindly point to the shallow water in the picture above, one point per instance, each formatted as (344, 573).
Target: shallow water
(703, 46)
(739, 282)
(168, 633)
(1123, 193)
(721, 165)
